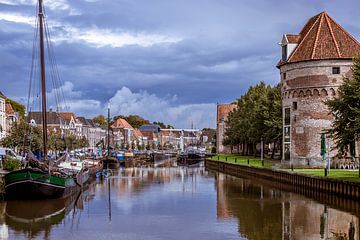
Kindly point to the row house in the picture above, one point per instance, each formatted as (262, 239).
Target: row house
(2, 116)
(93, 132)
(123, 132)
(152, 134)
(11, 116)
(55, 122)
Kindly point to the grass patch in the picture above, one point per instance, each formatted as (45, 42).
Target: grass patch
(348, 175)
(242, 160)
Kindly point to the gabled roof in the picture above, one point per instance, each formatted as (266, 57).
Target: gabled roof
(52, 117)
(67, 116)
(9, 109)
(150, 128)
(323, 38)
(137, 133)
(121, 123)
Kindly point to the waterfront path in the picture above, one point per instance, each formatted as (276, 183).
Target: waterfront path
(339, 174)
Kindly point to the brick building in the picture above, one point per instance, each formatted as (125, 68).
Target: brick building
(223, 111)
(313, 66)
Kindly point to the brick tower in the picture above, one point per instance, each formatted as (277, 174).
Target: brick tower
(313, 66)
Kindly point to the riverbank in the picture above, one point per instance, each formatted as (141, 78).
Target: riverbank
(340, 174)
(332, 186)
(244, 160)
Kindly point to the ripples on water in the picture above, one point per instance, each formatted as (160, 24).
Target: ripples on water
(176, 203)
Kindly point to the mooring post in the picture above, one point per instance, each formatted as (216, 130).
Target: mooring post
(225, 159)
(248, 161)
(292, 167)
(325, 171)
(235, 160)
(218, 157)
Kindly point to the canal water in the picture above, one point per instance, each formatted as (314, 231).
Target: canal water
(176, 203)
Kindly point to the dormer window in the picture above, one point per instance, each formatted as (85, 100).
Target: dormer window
(284, 52)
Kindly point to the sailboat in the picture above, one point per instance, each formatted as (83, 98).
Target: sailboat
(43, 179)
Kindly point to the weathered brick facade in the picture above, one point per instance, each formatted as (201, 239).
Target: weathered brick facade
(311, 73)
(223, 111)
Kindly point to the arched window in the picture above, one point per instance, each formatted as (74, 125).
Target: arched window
(332, 92)
(301, 93)
(308, 93)
(295, 94)
(324, 92)
(316, 93)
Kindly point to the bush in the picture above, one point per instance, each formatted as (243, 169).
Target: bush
(11, 164)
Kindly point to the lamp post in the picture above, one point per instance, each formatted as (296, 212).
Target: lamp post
(262, 151)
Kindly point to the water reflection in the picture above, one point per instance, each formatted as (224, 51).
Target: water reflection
(266, 213)
(176, 203)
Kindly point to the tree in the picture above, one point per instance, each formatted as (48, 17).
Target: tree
(258, 115)
(23, 136)
(345, 108)
(101, 120)
(17, 107)
(163, 125)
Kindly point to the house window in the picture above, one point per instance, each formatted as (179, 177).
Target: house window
(287, 116)
(336, 70)
(294, 105)
(284, 76)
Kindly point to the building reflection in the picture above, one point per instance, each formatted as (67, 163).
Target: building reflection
(266, 213)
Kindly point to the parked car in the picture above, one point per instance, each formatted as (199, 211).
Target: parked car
(11, 153)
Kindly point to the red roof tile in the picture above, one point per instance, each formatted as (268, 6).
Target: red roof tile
(323, 38)
(67, 116)
(121, 123)
(9, 110)
(137, 133)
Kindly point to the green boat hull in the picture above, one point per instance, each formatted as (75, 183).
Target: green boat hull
(30, 183)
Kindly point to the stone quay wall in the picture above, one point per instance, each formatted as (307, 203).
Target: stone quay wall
(294, 181)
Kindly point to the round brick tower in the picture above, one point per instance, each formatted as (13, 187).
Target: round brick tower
(313, 66)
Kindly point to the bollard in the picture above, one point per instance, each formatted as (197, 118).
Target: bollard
(248, 161)
(325, 172)
(235, 160)
(225, 159)
(262, 162)
(292, 167)
(218, 157)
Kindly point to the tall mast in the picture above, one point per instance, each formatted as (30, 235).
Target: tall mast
(43, 82)
(108, 132)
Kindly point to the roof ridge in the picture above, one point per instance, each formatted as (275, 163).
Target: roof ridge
(296, 49)
(343, 29)
(332, 35)
(317, 36)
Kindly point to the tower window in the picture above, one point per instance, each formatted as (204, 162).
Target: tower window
(287, 116)
(284, 76)
(336, 70)
(295, 105)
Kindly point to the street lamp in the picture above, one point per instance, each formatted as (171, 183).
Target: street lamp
(262, 151)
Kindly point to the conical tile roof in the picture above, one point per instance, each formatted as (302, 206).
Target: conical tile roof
(323, 38)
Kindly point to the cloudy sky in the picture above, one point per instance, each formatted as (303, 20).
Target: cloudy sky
(167, 60)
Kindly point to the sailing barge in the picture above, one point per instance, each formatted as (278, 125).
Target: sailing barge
(47, 179)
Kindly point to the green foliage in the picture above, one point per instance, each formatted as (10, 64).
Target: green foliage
(258, 115)
(11, 164)
(22, 135)
(163, 125)
(101, 120)
(134, 120)
(17, 107)
(345, 108)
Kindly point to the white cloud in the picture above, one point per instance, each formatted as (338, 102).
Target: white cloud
(154, 108)
(17, 18)
(105, 37)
